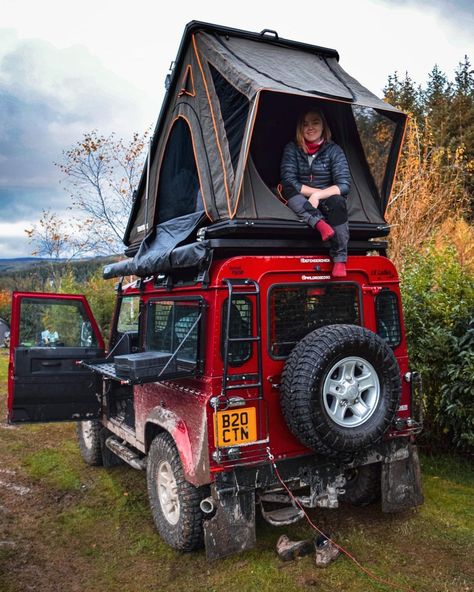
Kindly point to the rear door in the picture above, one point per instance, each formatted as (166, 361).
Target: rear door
(49, 334)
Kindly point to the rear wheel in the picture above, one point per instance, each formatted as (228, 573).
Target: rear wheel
(363, 485)
(174, 501)
(88, 437)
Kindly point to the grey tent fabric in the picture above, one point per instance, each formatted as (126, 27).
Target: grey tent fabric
(258, 201)
(118, 269)
(253, 65)
(272, 80)
(163, 250)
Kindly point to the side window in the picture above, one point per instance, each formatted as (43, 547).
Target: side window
(388, 319)
(173, 326)
(128, 317)
(178, 187)
(55, 323)
(240, 326)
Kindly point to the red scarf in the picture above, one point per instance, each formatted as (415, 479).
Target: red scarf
(313, 147)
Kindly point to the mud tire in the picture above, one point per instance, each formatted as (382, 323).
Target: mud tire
(363, 485)
(306, 370)
(183, 529)
(88, 438)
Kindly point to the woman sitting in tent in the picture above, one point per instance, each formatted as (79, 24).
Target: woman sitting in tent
(315, 178)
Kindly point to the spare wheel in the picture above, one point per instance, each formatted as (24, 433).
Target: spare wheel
(340, 389)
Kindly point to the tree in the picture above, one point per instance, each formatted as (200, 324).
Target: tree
(437, 99)
(5, 305)
(59, 241)
(462, 121)
(428, 191)
(443, 124)
(101, 173)
(404, 94)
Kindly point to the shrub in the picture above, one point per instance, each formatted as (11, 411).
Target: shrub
(456, 404)
(438, 294)
(5, 305)
(429, 190)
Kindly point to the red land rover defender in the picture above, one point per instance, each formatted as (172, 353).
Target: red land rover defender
(234, 351)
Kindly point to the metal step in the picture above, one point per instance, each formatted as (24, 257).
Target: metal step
(282, 516)
(127, 455)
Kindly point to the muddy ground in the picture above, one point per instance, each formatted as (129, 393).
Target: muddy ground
(68, 527)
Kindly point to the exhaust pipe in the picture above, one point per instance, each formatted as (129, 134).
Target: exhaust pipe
(208, 505)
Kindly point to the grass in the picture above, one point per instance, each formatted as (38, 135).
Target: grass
(85, 528)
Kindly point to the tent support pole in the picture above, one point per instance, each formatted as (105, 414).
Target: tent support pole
(147, 185)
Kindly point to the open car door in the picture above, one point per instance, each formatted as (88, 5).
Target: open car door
(49, 334)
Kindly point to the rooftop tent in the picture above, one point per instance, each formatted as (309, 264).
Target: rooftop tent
(231, 106)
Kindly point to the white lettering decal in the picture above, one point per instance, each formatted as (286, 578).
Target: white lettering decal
(403, 408)
(304, 260)
(315, 277)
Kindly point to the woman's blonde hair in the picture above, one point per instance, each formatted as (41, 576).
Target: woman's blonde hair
(299, 128)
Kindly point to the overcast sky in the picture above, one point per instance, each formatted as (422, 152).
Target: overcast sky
(69, 67)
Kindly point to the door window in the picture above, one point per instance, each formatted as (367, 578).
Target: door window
(128, 316)
(51, 322)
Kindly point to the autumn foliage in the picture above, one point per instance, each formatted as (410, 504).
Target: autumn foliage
(429, 198)
(5, 304)
(432, 243)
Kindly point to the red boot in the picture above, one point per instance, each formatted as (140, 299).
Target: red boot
(325, 230)
(339, 270)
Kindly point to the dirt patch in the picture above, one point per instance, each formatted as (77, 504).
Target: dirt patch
(65, 526)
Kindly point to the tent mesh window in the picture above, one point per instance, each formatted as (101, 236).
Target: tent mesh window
(240, 326)
(179, 182)
(376, 133)
(296, 311)
(388, 318)
(234, 109)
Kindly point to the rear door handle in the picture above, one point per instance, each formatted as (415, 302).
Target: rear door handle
(51, 363)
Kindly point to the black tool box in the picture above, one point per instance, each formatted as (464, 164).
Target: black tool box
(143, 365)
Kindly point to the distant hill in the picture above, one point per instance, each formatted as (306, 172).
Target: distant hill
(33, 273)
(22, 263)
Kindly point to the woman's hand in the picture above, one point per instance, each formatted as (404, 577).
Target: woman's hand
(315, 197)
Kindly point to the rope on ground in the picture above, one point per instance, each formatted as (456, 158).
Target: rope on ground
(341, 549)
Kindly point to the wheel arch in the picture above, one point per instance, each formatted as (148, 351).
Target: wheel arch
(192, 447)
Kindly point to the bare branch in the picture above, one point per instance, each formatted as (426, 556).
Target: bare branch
(101, 173)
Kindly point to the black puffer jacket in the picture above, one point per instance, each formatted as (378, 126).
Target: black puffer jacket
(329, 167)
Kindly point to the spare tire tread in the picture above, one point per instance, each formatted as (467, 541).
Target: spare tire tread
(304, 373)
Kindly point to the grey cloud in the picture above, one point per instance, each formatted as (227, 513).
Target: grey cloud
(14, 247)
(458, 12)
(48, 98)
(23, 203)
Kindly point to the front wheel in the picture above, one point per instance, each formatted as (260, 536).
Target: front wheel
(174, 501)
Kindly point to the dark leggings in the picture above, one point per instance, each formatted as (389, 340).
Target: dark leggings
(334, 211)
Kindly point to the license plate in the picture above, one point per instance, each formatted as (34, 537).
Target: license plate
(235, 427)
